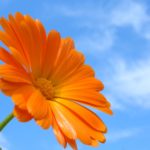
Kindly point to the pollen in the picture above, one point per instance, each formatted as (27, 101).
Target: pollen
(46, 87)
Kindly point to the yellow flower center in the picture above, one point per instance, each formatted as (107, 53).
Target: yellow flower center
(46, 87)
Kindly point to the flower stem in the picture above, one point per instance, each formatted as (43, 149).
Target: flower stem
(6, 121)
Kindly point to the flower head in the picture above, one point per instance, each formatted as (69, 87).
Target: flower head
(48, 81)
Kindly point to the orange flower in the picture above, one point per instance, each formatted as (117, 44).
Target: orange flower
(48, 82)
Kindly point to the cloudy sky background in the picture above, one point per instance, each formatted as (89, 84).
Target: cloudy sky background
(114, 35)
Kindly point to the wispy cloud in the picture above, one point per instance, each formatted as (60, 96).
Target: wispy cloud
(92, 20)
(97, 42)
(3, 142)
(133, 14)
(129, 13)
(99, 22)
(118, 135)
(130, 83)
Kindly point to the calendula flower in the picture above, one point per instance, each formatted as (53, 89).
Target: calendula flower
(48, 81)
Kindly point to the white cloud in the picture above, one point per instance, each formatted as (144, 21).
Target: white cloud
(130, 83)
(130, 13)
(117, 135)
(115, 104)
(134, 14)
(92, 21)
(97, 42)
(3, 142)
(100, 20)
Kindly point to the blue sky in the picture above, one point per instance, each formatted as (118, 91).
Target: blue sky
(115, 37)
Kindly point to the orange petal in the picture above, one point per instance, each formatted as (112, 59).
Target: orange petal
(37, 105)
(5, 38)
(83, 72)
(52, 50)
(21, 96)
(19, 57)
(58, 133)
(6, 26)
(95, 143)
(92, 120)
(12, 37)
(9, 34)
(42, 35)
(9, 87)
(63, 123)
(83, 130)
(89, 97)
(8, 58)
(34, 43)
(19, 17)
(84, 84)
(68, 67)
(22, 115)
(20, 38)
(82, 134)
(14, 74)
(72, 143)
(47, 121)
(106, 110)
